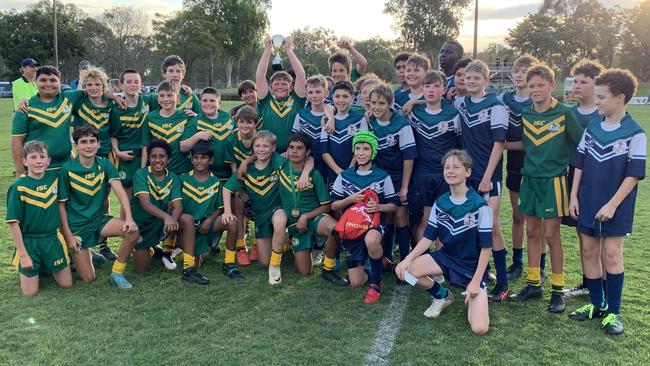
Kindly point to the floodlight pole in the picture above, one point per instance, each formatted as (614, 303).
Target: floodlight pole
(56, 43)
(475, 30)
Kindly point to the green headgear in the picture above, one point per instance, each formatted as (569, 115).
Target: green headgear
(367, 137)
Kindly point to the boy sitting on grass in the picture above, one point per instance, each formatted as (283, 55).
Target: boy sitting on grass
(462, 221)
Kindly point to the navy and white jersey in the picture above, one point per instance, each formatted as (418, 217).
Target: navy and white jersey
(351, 181)
(396, 144)
(309, 122)
(450, 82)
(483, 122)
(585, 116)
(339, 143)
(463, 227)
(514, 104)
(436, 132)
(607, 154)
(403, 98)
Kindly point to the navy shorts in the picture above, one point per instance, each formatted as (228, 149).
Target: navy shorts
(426, 190)
(495, 190)
(457, 271)
(356, 250)
(513, 182)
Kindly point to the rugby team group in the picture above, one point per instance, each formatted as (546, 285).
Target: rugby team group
(335, 167)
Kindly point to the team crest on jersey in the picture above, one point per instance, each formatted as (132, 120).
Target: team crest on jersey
(375, 186)
(273, 178)
(391, 140)
(352, 130)
(619, 147)
(180, 129)
(54, 190)
(554, 127)
(140, 239)
(210, 191)
(107, 115)
(469, 220)
(122, 175)
(443, 127)
(165, 191)
(66, 109)
(145, 109)
(483, 115)
(295, 242)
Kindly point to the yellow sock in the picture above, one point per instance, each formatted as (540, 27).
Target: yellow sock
(241, 244)
(557, 281)
(119, 267)
(534, 276)
(188, 260)
(276, 258)
(329, 263)
(230, 256)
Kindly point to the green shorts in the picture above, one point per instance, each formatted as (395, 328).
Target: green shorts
(90, 234)
(544, 196)
(263, 224)
(150, 233)
(304, 241)
(49, 254)
(202, 241)
(127, 169)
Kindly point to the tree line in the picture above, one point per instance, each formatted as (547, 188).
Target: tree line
(220, 40)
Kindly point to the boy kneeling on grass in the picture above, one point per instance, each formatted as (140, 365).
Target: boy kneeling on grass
(83, 187)
(347, 190)
(34, 224)
(462, 221)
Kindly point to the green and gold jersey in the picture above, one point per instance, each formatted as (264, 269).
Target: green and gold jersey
(201, 199)
(126, 124)
(99, 117)
(308, 199)
(161, 193)
(49, 122)
(220, 128)
(185, 101)
(170, 129)
(261, 186)
(550, 139)
(32, 203)
(84, 189)
(236, 151)
(278, 116)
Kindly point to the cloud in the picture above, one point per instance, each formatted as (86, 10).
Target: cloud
(510, 12)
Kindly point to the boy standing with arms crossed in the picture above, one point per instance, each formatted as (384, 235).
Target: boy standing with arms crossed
(550, 134)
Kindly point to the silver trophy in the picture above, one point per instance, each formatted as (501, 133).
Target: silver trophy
(277, 40)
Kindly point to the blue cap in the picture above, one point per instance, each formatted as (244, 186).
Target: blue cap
(29, 62)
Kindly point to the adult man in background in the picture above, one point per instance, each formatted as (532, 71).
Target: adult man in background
(77, 83)
(25, 86)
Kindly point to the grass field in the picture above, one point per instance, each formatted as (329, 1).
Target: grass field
(304, 321)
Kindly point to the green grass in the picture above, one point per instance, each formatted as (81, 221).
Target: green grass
(304, 320)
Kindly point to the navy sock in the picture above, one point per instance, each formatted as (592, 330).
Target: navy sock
(389, 240)
(518, 256)
(596, 295)
(542, 262)
(614, 292)
(403, 236)
(438, 291)
(500, 266)
(376, 267)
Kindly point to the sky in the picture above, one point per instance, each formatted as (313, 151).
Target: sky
(495, 17)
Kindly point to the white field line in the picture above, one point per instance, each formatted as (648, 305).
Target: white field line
(388, 328)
